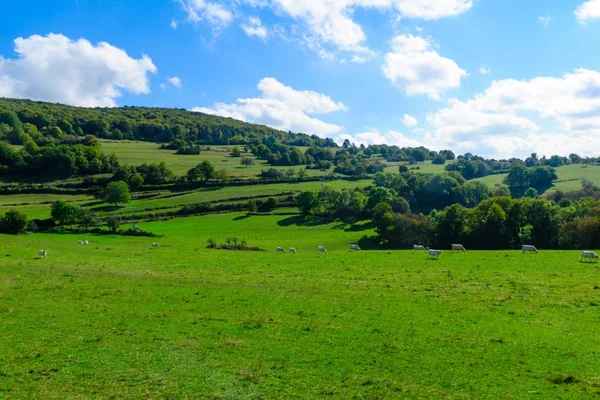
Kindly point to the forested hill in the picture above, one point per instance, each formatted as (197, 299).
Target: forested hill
(150, 124)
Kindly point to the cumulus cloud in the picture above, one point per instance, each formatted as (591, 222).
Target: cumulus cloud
(484, 70)
(415, 67)
(500, 121)
(588, 10)
(57, 69)
(254, 27)
(328, 24)
(281, 107)
(409, 121)
(374, 136)
(172, 82)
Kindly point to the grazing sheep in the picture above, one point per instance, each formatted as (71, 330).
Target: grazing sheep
(80, 242)
(292, 250)
(155, 245)
(529, 248)
(588, 255)
(280, 250)
(85, 242)
(322, 249)
(458, 247)
(354, 247)
(434, 254)
(43, 253)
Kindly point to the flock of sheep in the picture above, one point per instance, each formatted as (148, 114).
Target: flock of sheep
(432, 254)
(321, 249)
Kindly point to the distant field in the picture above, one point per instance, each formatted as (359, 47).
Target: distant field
(38, 205)
(136, 153)
(423, 167)
(118, 319)
(569, 177)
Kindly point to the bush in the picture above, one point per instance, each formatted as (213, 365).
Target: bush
(14, 222)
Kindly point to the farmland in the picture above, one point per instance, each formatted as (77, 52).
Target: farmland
(136, 153)
(119, 319)
(569, 177)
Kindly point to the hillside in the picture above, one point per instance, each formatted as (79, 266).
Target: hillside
(149, 124)
(570, 177)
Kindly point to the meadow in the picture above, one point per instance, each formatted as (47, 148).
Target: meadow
(118, 319)
(137, 153)
(569, 177)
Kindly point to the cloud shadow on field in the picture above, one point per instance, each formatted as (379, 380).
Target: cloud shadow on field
(304, 220)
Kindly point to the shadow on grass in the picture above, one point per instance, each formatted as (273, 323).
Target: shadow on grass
(305, 220)
(107, 208)
(241, 218)
(360, 227)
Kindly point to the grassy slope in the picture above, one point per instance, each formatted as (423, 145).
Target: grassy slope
(38, 205)
(118, 319)
(569, 177)
(136, 153)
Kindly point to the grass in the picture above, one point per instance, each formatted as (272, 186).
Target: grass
(117, 319)
(38, 205)
(136, 153)
(569, 177)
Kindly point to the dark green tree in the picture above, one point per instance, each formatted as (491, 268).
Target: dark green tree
(14, 222)
(117, 192)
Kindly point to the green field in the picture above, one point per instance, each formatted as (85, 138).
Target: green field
(136, 153)
(569, 177)
(118, 319)
(38, 205)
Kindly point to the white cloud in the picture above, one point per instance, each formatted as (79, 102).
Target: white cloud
(545, 20)
(484, 70)
(588, 10)
(213, 13)
(254, 27)
(172, 82)
(376, 137)
(330, 23)
(174, 24)
(409, 121)
(282, 107)
(175, 81)
(500, 121)
(57, 69)
(415, 67)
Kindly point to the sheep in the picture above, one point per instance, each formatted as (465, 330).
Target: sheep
(280, 250)
(292, 250)
(322, 249)
(43, 253)
(155, 245)
(354, 247)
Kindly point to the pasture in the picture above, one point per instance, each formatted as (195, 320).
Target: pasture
(569, 177)
(137, 153)
(118, 319)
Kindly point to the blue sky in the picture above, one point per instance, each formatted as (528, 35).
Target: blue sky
(496, 78)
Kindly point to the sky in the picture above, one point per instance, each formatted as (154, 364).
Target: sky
(495, 78)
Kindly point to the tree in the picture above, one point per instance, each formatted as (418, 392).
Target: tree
(531, 193)
(87, 218)
(117, 192)
(236, 152)
(400, 205)
(251, 206)
(302, 174)
(114, 223)
(439, 160)
(308, 201)
(380, 195)
(518, 177)
(63, 213)
(13, 222)
(222, 175)
(246, 161)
